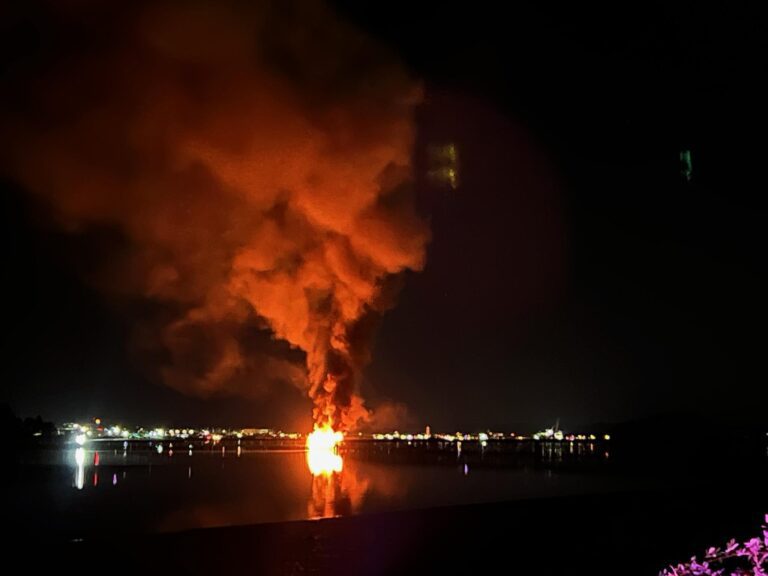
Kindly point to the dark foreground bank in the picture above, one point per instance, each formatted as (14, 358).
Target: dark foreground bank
(622, 533)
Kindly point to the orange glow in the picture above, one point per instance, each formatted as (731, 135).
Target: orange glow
(322, 454)
(298, 208)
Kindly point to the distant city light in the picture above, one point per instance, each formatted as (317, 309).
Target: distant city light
(82, 433)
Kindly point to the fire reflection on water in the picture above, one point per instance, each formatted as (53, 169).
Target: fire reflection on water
(337, 493)
(324, 462)
(79, 468)
(337, 489)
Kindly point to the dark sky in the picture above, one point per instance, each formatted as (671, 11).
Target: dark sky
(574, 273)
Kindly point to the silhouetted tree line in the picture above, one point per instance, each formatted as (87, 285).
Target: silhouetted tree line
(14, 428)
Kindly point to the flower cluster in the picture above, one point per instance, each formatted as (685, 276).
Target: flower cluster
(748, 558)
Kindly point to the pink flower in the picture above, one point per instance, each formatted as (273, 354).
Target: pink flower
(731, 546)
(754, 549)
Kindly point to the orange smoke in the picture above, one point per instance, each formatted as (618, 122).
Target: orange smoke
(252, 163)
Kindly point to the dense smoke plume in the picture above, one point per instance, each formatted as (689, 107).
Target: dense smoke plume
(255, 160)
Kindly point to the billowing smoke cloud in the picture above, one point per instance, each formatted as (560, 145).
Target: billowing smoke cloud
(256, 159)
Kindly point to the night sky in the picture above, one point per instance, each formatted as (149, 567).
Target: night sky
(573, 274)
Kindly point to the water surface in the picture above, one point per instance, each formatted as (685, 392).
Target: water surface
(141, 488)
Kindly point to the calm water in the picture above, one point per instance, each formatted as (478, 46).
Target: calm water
(137, 489)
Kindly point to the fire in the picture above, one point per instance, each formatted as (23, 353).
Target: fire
(299, 218)
(322, 453)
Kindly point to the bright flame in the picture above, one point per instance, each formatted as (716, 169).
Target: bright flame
(324, 438)
(322, 455)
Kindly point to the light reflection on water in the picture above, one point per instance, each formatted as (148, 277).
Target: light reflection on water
(206, 486)
(79, 468)
(337, 490)
(338, 493)
(324, 462)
